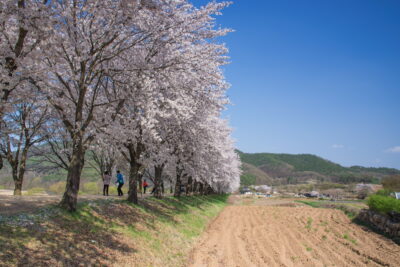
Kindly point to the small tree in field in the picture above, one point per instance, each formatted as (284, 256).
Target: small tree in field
(392, 183)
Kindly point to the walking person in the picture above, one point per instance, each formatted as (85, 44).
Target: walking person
(145, 185)
(120, 183)
(106, 182)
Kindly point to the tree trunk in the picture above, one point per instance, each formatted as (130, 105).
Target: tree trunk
(133, 180)
(178, 183)
(140, 182)
(157, 180)
(201, 189)
(189, 185)
(17, 183)
(195, 186)
(134, 171)
(19, 176)
(70, 197)
(17, 188)
(209, 190)
(1, 163)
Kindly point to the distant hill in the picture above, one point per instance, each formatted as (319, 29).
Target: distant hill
(278, 169)
(253, 175)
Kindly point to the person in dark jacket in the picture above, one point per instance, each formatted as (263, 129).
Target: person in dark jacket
(145, 185)
(120, 183)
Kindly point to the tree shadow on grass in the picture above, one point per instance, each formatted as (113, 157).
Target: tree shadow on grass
(94, 235)
(167, 208)
(68, 239)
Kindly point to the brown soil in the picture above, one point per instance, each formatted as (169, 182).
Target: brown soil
(277, 235)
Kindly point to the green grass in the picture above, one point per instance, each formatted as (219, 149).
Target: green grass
(323, 223)
(309, 223)
(35, 191)
(309, 249)
(347, 237)
(101, 229)
(314, 204)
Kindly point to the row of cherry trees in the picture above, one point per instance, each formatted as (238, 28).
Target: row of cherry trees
(138, 80)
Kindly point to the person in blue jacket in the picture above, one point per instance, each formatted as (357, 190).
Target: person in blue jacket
(120, 182)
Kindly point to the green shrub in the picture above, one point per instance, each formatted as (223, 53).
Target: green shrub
(2, 187)
(35, 191)
(383, 204)
(384, 192)
(57, 188)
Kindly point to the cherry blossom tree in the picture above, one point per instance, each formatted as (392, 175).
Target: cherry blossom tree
(22, 130)
(88, 36)
(23, 25)
(176, 68)
(139, 77)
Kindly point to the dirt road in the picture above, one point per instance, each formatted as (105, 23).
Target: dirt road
(268, 235)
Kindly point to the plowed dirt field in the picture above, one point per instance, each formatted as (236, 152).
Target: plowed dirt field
(290, 235)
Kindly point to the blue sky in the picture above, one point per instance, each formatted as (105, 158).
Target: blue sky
(316, 76)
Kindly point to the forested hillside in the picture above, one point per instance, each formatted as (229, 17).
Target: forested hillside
(277, 169)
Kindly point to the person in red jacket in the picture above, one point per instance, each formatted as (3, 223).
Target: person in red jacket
(145, 185)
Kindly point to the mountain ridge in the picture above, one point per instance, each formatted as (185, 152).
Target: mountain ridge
(282, 168)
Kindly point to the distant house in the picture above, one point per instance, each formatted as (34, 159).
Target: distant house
(245, 190)
(312, 194)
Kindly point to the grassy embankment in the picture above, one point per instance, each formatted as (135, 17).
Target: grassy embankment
(350, 209)
(374, 202)
(109, 232)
